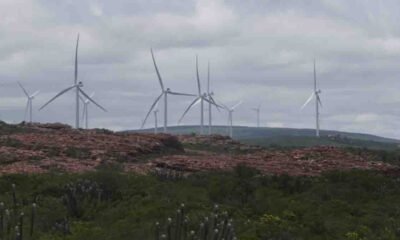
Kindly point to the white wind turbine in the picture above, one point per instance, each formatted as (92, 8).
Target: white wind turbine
(211, 100)
(28, 107)
(78, 90)
(165, 93)
(201, 98)
(257, 110)
(318, 102)
(85, 111)
(230, 116)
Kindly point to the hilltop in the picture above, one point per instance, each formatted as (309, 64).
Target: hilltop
(39, 148)
(291, 137)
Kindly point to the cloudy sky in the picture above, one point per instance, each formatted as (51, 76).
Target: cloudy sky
(259, 51)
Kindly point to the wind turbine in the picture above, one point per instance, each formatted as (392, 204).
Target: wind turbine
(28, 107)
(85, 111)
(211, 100)
(318, 102)
(78, 90)
(257, 110)
(230, 116)
(201, 97)
(165, 93)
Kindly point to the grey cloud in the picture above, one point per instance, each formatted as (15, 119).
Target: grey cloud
(260, 52)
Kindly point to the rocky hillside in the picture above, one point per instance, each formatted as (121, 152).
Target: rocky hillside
(40, 148)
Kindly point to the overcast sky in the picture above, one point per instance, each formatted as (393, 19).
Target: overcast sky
(259, 51)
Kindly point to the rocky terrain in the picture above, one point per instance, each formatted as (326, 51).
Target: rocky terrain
(40, 148)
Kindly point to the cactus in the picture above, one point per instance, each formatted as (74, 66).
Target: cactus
(12, 219)
(14, 196)
(215, 234)
(192, 235)
(1, 220)
(216, 227)
(21, 225)
(157, 231)
(33, 217)
(8, 222)
(81, 192)
(17, 233)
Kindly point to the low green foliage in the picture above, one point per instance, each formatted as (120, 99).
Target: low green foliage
(115, 205)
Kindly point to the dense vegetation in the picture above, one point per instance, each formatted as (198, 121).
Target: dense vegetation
(113, 205)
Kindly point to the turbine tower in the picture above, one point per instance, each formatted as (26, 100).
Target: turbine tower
(30, 98)
(318, 103)
(155, 112)
(164, 93)
(211, 100)
(201, 98)
(78, 90)
(230, 116)
(85, 111)
(257, 110)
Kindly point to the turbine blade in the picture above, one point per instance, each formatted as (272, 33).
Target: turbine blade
(237, 104)
(315, 78)
(308, 101)
(208, 77)
(56, 96)
(195, 101)
(225, 107)
(158, 73)
(90, 99)
(197, 75)
(151, 109)
(84, 111)
(218, 105)
(212, 102)
(76, 60)
(81, 98)
(182, 94)
(23, 89)
(86, 101)
(319, 100)
(35, 93)
(156, 107)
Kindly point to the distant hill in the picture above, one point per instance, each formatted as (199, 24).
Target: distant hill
(291, 137)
